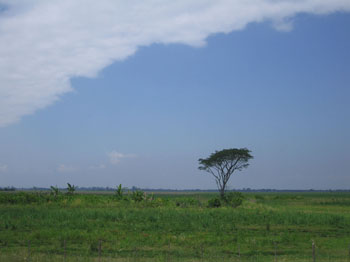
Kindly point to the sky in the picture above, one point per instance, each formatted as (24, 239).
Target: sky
(102, 93)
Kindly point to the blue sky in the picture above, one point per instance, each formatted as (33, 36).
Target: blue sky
(144, 119)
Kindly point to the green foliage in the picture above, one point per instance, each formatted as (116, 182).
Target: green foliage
(119, 192)
(94, 246)
(214, 202)
(54, 191)
(187, 202)
(259, 197)
(138, 196)
(23, 198)
(222, 164)
(70, 189)
(227, 156)
(233, 199)
(148, 226)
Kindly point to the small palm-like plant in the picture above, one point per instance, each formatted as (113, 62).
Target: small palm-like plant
(119, 192)
(71, 189)
(54, 191)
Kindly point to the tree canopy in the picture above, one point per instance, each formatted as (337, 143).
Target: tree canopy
(222, 164)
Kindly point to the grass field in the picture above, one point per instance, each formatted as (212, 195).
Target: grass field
(174, 227)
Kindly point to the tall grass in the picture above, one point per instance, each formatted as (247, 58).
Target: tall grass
(182, 226)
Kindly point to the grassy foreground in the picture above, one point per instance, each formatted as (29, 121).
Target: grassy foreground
(174, 227)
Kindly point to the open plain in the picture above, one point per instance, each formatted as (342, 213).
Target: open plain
(174, 227)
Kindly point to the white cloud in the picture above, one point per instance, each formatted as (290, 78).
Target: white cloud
(43, 44)
(3, 167)
(66, 168)
(115, 157)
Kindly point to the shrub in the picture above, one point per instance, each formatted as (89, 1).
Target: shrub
(138, 196)
(187, 202)
(214, 202)
(233, 199)
(23, 198)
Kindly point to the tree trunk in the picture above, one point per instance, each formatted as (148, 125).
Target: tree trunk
(222, 192)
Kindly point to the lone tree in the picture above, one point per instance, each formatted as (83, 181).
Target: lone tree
(222, 164)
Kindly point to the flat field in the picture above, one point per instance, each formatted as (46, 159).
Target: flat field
(174, 227)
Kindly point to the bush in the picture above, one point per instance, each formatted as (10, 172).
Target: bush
(24, 198)
(214, 202)
(233, 199)
(138, 196)
(187, 202)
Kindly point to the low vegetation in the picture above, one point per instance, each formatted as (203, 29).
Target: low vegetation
(173, 227)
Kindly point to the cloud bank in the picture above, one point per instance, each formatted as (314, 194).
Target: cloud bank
(43, 44)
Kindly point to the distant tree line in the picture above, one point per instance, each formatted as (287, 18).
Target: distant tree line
(8, 188)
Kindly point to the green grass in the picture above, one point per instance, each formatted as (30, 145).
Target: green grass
(174, 227)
